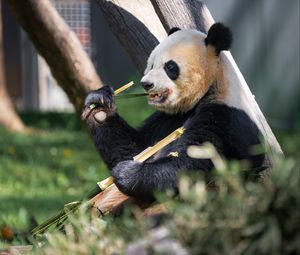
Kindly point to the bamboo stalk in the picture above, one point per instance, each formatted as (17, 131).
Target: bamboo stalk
(126, 96)
(150, 151)
(105, 183)
(126, 86)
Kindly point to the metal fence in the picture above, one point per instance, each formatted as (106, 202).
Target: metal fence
(77, 14)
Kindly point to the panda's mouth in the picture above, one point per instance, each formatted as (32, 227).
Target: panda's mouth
(158, 97)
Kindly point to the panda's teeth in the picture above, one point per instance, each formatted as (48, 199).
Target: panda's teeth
(155, 95)
(158, 97)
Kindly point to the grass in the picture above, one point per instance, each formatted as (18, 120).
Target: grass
(55, 164)
(40, 172)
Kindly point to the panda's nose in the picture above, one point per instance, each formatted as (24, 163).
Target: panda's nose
(147, 85)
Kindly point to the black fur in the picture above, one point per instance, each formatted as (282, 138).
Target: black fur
(173, 30)
(220, 37)
(172, 69)
(104, 95)
(230, 130)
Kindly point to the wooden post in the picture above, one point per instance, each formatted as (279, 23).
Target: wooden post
(136, 26)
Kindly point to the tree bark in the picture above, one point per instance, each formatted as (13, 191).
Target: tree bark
(136, 26)
(183, 14)
(58, 44)
(8, 116)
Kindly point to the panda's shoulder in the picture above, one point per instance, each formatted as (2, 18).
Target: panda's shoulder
(224, 116)
(228, 128)
(220, 110)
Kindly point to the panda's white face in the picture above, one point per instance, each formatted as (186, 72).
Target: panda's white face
(179, 71)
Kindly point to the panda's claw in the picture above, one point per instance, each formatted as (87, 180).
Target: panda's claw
(127, 176)
(103, 97)
(102, 100)
(99, 100)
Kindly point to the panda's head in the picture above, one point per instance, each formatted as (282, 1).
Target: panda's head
(181, 68)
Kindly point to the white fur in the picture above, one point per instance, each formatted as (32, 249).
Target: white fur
(155, 73)
(160, 53)
(236, 93)
(100, 116)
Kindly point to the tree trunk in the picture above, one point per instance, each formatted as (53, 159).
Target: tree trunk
(177, 13)
(136, 26)
(183, 14)
(8, 115)
(58, 44)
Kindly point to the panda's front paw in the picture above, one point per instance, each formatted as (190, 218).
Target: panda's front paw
(99, 105)
(127, 176)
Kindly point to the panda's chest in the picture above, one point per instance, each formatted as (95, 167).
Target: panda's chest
(166, 125)
(171, 150)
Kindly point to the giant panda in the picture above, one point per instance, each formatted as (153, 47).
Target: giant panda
(186, 83)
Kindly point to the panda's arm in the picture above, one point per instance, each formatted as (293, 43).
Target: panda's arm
(116, 140)
(141, 179)
(230, 130)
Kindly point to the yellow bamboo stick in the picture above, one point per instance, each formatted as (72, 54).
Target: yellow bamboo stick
(150, 151)
(126, 86)
(116, 92)
(105, 183)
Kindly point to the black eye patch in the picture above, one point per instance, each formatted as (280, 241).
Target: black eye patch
(172, 69)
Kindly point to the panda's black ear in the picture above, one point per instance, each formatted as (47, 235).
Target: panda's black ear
(173, 30)
(219, 36)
